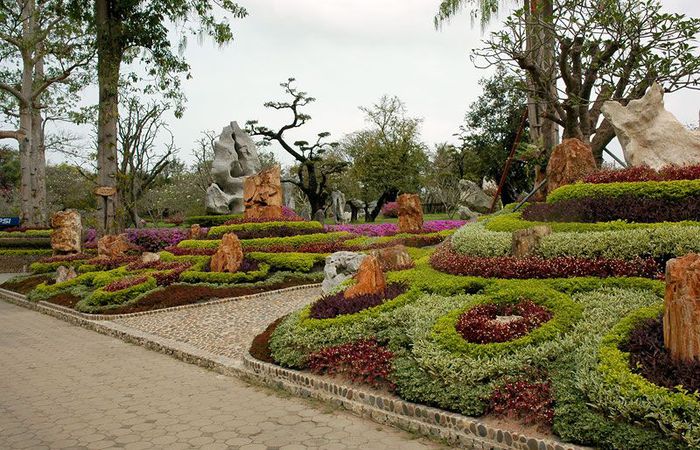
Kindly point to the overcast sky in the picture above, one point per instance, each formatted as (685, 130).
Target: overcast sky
(347, 53)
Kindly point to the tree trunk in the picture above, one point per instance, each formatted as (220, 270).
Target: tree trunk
(109, 56)
(387, 196)
(26, 117)
(38, 153)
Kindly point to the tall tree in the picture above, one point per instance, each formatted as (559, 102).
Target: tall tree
(130, 30)
(388, 157)
(313, 169)
(605, 50)
(42, 60)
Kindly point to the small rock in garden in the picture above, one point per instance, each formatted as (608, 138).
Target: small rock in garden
(649, 134)
(507, 319)
(148, 257)
(570, 162)
(339, 267)
(195, 231)
(229, 256)
(410, 214)
(320, 216)
(64, 273)
(112, 245)
(682, 308)
(262, 195)
(393, 258)
(369, 279)
(66, 236)
(467, 214)
(525, 242)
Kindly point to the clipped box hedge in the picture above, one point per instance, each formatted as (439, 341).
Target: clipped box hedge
(218, 231)
(211, 220)
(294, 241)
(294, 262)
(101, 297)
(195, 276)
(643, 189)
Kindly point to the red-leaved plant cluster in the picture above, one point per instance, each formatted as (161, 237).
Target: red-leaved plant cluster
(362, 361)
(65, 258)
(528, 401)
(168, 277)
(288, 215)
(182, 251)
(157, 265)
(445, 259)
(334, 305)
(645, 173)
(481, 324)
(112, 263)
(124, 283)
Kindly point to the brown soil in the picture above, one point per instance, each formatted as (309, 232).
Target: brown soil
(65, 299)
(26, 285)
(260, 348)
(178, 295)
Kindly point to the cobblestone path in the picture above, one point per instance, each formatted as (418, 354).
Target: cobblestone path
(62, 386)
(226, 328)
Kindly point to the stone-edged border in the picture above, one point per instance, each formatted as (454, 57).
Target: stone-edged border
(385, 408)
(432, 422)
(219, 301)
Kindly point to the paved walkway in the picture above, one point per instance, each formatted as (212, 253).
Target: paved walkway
(223, 329)
(62, 386)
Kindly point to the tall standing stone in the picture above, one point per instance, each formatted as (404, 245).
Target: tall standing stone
(370, 279)
(682, 308)
(570, 162)
(229, 256)
(410, 213)
(262, 194)
(66, 236)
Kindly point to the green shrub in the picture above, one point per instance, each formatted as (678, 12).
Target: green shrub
(24, 243)
(295, 262)
(294, 241)
(101, 297)
(475, 240)
(32, 233)
(219, 231)
(195, 276)
(642, 189)
(212, 220)
(24, 251)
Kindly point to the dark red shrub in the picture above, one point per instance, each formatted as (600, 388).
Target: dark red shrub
(645, 173)
(112, 263)
(650, 358)
(481, 324)
(124, 283)
(157, 265)
(529, 402)
(335, 305)
(181, 251)
(445, 259)
(282, 231)
(62, 258)
(603, 209)
(260, 348)
(362, 362)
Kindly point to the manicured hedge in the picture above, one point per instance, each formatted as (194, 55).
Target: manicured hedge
(295, 262)
(19, 234)
(104, 297)
(667, 190)
(24, 243)
(645, 173)
(218, 231)
(212, 220)
(261, 244)
(195, 276)
(24, 251)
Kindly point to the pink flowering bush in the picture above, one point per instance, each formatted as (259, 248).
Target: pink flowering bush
(390, 209)
(156, 239)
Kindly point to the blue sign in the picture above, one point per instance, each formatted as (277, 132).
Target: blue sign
(9, 221)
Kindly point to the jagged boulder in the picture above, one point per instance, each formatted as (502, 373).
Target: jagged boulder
(66, 234)
(339, 267)
(410, 213)
(681, 321)
(472, 197)
(235, 157)
(229, 255)
(262, 195)
(649, 134)
(570, 162)
(369, 279)
(112, 245)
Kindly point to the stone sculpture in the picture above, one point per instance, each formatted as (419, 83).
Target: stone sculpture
(235, 157)
(472, 197)
(682, 308)
(410, 214)
(262, 195)
(393, 258)
(369, 279)
(338, 206)
(570, 162)
(339, 267)
(649, 134)
(112, 245)
(229, 255)
(66, 236)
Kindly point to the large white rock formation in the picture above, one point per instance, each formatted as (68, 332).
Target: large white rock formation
(649, 134)
(235, 157)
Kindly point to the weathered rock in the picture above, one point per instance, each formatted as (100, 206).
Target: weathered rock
(339, 267)
(288, 194)
(235, 157)
(649, 134)
(338, 206)
(472, 197)
(195, 231)
(393, 258)
(320, 216)
(570, 162)
(66, 236)
(148, 257)
(112, 245)
(526, 241)
(682, 308)
(262, 194)
(410, 213)
(369, 279)
(467, 214)
(64, 273)
(229, 256)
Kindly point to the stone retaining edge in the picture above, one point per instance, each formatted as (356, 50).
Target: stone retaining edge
(432, 422)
